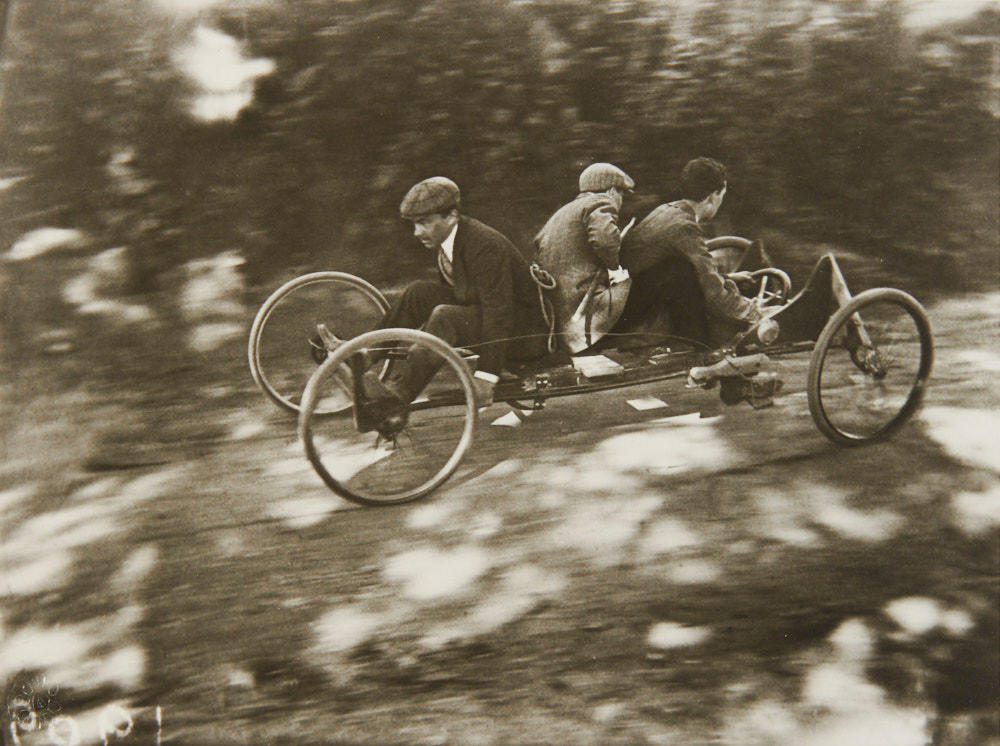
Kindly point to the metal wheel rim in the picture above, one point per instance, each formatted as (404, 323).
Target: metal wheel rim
(914, 311)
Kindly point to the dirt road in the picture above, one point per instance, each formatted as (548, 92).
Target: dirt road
(687, 574)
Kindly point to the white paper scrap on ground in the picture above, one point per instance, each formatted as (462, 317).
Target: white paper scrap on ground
(511, 419)
(666, 635)
(646, 402)
(691, 418)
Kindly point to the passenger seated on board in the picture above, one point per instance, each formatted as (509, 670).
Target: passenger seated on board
(671, 269)
(670, 265)
(578, 247)
(484, 297)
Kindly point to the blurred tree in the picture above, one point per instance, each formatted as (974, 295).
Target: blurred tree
(837, 122)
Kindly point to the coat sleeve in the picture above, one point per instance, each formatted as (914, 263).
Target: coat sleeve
(722, 297)
(492, 270)
(603, 235)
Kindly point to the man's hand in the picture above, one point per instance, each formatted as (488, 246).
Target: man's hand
(763, 311)
(483, 390)
(757, 310)
(617, 275)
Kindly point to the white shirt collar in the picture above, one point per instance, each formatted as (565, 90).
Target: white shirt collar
(448, 245)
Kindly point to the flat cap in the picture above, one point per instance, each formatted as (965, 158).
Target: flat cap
(430, 195)
(599, 177)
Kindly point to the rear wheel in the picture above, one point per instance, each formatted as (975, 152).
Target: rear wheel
(416, 453)
(298, 325)
(870, 366)
(728, 251)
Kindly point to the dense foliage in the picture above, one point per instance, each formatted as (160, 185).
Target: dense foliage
(839, 124)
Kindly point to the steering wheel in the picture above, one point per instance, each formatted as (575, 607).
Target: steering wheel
(770, 285)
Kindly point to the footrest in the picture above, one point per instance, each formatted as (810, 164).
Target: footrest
(744, 365)
(471, 358)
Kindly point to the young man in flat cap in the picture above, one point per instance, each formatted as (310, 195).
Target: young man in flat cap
(484, 297)
(578, 246)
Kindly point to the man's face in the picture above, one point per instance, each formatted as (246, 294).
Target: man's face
(432, 229)
(620, 194)
(715, 202)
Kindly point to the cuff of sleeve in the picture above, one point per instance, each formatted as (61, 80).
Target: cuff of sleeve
(483, 375)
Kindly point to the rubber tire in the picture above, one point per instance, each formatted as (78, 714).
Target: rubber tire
(913, 401)
(256, 330)
(339, 356)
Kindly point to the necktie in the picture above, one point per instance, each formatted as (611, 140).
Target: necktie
(445, 265)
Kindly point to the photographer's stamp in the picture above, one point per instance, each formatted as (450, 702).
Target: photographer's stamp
(37, 712)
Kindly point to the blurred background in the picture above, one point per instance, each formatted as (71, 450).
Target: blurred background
(165, 164)
(288, 131)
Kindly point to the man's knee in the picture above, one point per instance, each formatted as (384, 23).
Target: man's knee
(415, 304)
(420, 292)
(449, 322)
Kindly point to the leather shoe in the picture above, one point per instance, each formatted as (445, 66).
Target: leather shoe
(379, 406)
(375, 388)
(375, 407)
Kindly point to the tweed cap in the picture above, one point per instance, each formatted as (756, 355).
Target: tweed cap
(599, 177)
(430, 195)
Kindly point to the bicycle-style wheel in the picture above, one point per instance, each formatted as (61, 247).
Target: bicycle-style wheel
(419, 451)
(727, 251)
(299, 323)
(870, 366)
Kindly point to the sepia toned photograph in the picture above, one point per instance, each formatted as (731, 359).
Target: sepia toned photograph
(488, 372)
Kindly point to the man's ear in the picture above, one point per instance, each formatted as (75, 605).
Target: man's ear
(716, 197)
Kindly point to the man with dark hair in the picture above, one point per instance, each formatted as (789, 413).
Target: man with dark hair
(670, 265)
(484, 297)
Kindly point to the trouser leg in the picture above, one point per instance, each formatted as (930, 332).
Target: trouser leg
(686, 309)
(456, 325)
(648, 298)
(532, 333)
(638, 305)
(673, 286)
(415, 305)
(411, 311)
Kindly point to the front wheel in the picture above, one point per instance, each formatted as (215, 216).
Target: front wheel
(870, 366)
(421, 450)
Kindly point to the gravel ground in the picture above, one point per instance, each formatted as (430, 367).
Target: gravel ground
(680, 575)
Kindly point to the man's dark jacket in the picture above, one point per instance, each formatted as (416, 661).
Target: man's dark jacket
(489, 272)
(670, 232)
